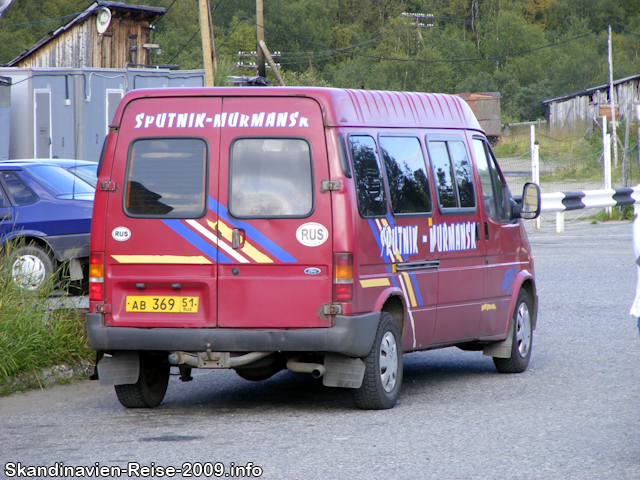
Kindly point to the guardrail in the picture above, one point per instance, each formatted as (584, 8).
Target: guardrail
(561, 202)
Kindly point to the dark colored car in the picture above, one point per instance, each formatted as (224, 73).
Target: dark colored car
(84, 169)
(49, 210)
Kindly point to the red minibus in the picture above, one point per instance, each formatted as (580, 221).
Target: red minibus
(323, 231)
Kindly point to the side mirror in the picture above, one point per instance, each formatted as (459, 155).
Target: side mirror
(531, 203)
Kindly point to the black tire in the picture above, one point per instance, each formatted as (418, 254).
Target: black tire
(383, 374)
(149, 390)
(32, 267)
(522, 338)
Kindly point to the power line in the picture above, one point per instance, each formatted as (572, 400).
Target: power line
(40, 21)
(417, 60)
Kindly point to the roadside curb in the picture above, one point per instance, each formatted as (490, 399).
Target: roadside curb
(46, 377)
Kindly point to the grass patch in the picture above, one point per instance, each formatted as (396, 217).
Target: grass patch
(33, 334)
(572, 156)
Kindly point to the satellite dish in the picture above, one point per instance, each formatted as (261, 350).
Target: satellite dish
(103, 19)
(4, 4)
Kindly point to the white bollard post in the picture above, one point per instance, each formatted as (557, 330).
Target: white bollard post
(559, 222)
(607, 168)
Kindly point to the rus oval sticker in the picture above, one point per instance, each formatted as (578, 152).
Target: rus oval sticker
(312, 234)
(121, 234)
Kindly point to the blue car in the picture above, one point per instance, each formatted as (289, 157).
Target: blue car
(49, 209)
(86, 170)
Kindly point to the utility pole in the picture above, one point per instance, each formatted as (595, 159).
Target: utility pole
(260, 38)
(612, 104)
(206, 43)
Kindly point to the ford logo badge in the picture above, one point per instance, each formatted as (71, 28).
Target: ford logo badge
(312, 271)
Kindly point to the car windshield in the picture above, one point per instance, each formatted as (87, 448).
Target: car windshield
(86, 173)
(59, 181)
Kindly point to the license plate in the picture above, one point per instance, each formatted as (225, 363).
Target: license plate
(162, 304)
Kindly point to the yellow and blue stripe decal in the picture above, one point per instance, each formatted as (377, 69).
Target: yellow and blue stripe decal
(410, 284)
(257, 247)
(253, 233)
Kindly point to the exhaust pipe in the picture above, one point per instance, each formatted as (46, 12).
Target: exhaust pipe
(315, 369)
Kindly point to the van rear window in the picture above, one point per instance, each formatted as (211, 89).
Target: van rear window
(270, 178)
(166, 177)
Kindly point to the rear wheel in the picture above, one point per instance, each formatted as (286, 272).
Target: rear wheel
(383, 374)
(149, 390)
(522, 338)
(31, 267)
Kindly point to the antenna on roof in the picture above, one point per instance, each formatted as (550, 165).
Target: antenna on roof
(4, 4)
(103, 19)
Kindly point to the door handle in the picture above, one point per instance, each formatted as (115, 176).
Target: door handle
(7, 216)
(237, 238)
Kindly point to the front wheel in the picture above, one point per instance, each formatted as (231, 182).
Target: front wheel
(149, 390)
(522, 338)
(383, 374)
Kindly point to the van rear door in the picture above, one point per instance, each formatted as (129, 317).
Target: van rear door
(160, 256)
(274, 222)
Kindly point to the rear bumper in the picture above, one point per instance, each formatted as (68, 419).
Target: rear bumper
(351, 336)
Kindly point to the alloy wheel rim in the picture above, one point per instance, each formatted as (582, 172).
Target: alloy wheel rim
(388, 362)
(523, 332)
(28, 272)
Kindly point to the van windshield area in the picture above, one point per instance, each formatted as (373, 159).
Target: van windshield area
(166, 177)
(270, 178)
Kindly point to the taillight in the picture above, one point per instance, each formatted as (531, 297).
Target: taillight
(96, 276)
(342, 277)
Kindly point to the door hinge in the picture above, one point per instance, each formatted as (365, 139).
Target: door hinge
(329, 186)
(332, 309)
(103, 308)
(109, 186)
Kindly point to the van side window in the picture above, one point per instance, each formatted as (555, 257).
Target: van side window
(452, 173)
(166, 177)
(270, 178)
(372, 200)
(494, 188)
(406, 174)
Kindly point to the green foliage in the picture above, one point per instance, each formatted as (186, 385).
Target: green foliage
(474, 45)
(34, 334)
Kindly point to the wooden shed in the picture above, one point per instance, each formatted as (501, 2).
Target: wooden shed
(583, 109)
(78, 44)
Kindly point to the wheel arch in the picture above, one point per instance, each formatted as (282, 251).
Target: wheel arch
(525, 281)
(392, 301)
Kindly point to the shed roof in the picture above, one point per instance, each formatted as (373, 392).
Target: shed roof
(588, 91)
(149, 13)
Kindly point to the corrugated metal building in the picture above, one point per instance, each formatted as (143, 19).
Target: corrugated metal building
(66, 112)
(5, 111)
(583, 109)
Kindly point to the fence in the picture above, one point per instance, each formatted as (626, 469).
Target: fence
(565, 173)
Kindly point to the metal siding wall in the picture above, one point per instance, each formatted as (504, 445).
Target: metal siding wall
(63, 125)
(5, 124)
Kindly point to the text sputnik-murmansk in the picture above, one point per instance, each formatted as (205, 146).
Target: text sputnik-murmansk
(443, 237)
(221, 120)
